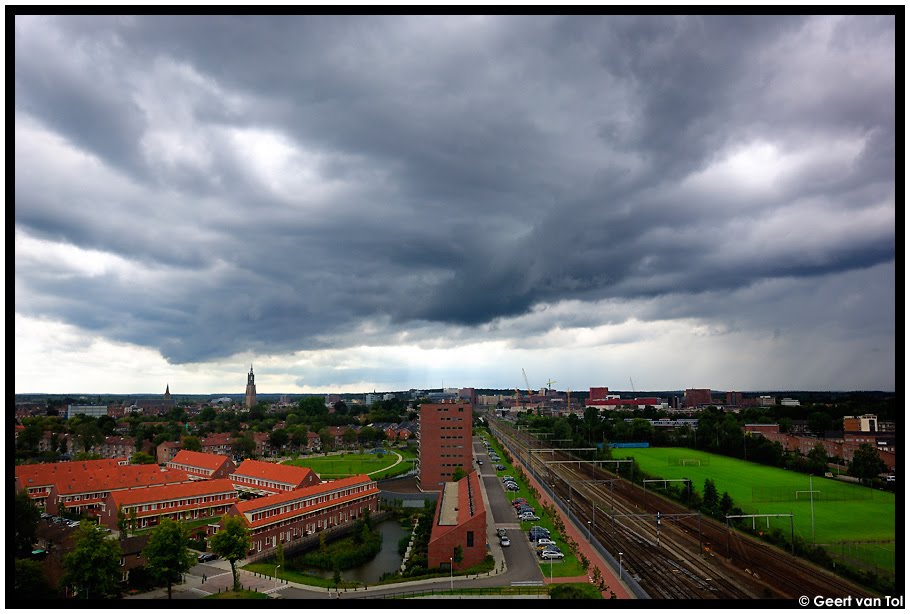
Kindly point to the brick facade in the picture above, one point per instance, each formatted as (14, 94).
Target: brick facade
(289, 516)
(460, 520)
(445, 442)
(201, 499)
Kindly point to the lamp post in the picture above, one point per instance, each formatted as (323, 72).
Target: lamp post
(276, 574)
(620, 566)
(589, 532)
(451, 574)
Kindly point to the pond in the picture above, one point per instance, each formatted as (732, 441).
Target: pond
(387, 560)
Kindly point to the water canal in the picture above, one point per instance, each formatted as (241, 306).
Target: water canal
(387, 560)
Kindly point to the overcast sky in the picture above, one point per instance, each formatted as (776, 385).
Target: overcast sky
(404, 202)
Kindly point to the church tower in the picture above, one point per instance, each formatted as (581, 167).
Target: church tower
(250, 389)
(167, 393)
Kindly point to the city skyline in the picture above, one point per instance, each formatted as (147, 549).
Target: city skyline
(397, 202)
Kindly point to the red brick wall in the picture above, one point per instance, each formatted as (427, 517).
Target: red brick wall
(266, 538)
(440, 549)
(445, 442)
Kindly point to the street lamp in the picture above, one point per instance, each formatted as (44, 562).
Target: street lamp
(589, 532)
(276, 574)
(620, 566)
(451, 574)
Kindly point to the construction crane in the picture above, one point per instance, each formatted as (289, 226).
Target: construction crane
(527, 384)
(568, 401)
(550, 383)
(633, 385)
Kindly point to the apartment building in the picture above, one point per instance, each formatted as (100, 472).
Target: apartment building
(202, 466)
(284, 517)
(87, 492)
(445, 442)
(188, 501)
(460, 522)
(262, 478)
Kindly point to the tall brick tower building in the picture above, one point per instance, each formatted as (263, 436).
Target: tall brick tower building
(445, 442)
(250, 389)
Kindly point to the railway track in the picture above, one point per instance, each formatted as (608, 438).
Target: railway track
(695, 557)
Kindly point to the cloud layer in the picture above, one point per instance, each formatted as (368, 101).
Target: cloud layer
(214, 186)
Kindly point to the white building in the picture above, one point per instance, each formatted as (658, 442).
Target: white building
(86, 410)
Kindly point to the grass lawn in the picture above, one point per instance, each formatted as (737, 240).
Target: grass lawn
(567, 567)
(268, 569)
(835, 521)
(244, 594)
(343, 465)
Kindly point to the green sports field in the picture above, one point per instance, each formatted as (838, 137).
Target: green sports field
(843, 511)
(339, 466)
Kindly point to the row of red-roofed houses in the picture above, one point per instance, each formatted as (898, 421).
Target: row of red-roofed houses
(196, 485)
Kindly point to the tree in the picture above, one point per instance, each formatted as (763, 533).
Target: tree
(818, 459)
(141, 458)
(244, 446)
(122, 521)
(191, 443)
(278, 439)
(25, 523)
(709, 498)
(349, 436)
(819, 422)
(726, 503)
(232, 542)
(29, 582)
(92, 568)
(866, 463)
(134, 519)
(457, 474)
(88, 435)
(207, 414)
(167, 553)
(326, 438)
(279, 554)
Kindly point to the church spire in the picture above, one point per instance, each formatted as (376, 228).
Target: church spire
(167, 392)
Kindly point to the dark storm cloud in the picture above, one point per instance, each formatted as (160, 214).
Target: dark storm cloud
(285, 182)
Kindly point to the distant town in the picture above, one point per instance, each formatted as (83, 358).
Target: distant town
(294, 496)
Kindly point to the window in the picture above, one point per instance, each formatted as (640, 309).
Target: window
(470, 539)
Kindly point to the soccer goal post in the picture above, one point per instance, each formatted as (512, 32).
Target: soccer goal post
(806, 492)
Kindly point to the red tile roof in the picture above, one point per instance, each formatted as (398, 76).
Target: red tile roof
(118, 478)
(285, 474)
(302, 493)
(45, 474)
(217, 439)
(173, 491)
(264, 503)
(199, 459)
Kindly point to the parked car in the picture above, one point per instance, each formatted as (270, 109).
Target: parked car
(500, 467)
(545, 541)
(206, 556)
(501, 532)
(506, 478)
(519, 500)
(504, 541)
(524, 508)
(535, 535)
(550, 554)
(479, 462)
(513, 487)
(545, 531)
(526, 516)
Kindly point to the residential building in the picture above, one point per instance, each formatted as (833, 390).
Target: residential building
(641, 403)
(202, 466)
(188, 501)
(860, 424)
(117, 447)
(288, 516)
(445, 442)
(734, 399)
(95, 411)
(262, 478)
(460, 524)
(39, 478)
(166, 451)
(85, 492)
(789, 402)
(695, 397)
(219, 443)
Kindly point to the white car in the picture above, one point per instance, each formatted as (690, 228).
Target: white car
(504, 541)
(551, 554)
(545, 541)
(528, 516)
